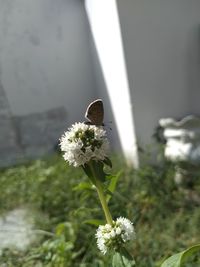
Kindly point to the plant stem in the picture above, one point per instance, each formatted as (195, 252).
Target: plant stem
(104, 203)
(101, 195)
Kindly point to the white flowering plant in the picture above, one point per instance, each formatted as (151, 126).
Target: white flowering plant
(87, 146)
(83, 143)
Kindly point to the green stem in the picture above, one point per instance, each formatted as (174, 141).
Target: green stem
(104, 203)
(122, 260)
(101, 196)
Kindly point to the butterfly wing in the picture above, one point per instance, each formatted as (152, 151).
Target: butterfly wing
(95, 112)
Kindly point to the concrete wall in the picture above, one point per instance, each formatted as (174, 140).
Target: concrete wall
(162, 48)
(46, 59)
(45, 56)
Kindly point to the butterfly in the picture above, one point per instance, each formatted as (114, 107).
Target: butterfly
(95, 113)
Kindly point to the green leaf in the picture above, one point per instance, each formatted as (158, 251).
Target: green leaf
(112, 186)
(66, 229)
(177, 259)
(108, 162)
(94, 171)
(122, 259)
(95, 222)
(83, 186)
(88, 172)
(98, 169)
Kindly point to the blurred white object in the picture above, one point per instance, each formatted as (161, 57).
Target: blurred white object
(182, 139)
(16, 229)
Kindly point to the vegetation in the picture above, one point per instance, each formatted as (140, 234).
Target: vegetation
(166, 216)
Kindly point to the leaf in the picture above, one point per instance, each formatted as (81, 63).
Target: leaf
(98, 169)
(177, 259)
(83, 186)
(112, 186)
(122, 259)
(88, 172)
(65, 229)
(94, 170)
(94, 222)
(108, 162)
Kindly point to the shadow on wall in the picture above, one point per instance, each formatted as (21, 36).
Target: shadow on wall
(37, 134)
(29, 136)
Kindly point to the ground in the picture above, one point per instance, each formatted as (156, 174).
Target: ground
(166, 216)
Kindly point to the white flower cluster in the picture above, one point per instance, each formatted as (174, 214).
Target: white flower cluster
(113, 236)
(82, 143)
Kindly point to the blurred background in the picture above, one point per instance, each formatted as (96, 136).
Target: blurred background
(141, 57)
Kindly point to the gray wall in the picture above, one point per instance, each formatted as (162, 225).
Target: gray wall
(162, 49)
(45, 56)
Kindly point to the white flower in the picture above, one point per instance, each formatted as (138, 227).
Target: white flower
(126, 227)
(113, 236)
(82, 143)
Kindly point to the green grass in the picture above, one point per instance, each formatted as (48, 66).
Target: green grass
(166, 220)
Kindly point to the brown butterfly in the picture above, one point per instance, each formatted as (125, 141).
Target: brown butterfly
(95, 113)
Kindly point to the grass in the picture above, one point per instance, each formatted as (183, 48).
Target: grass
(166, 219)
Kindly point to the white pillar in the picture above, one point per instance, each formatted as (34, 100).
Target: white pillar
(105, 28)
